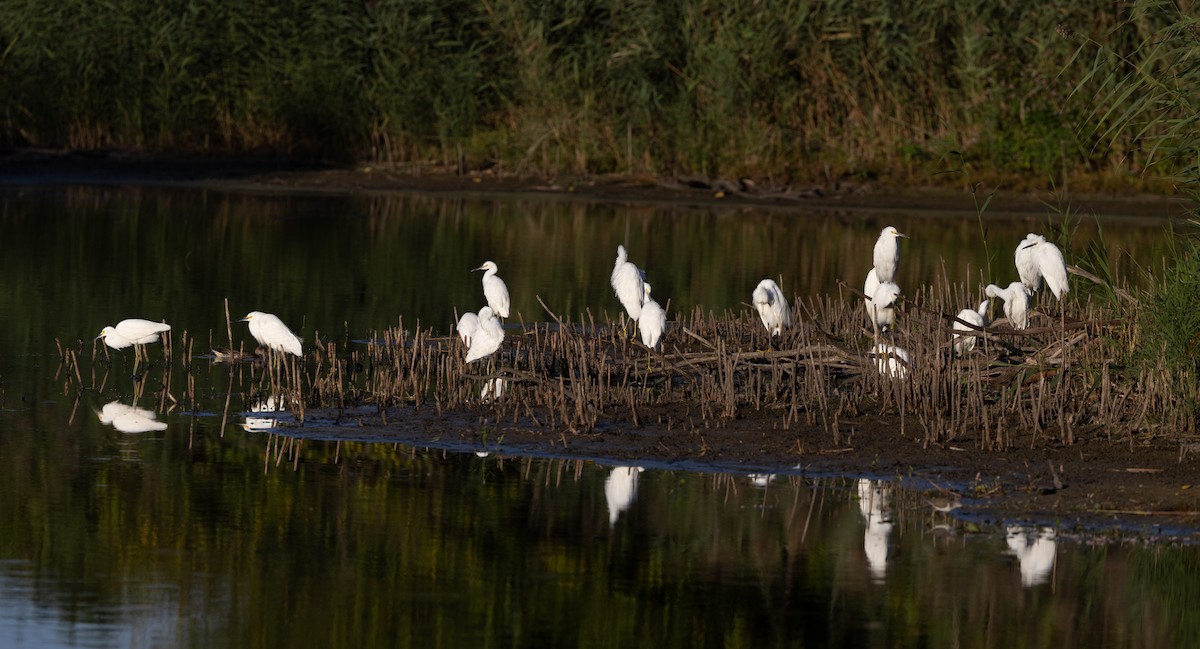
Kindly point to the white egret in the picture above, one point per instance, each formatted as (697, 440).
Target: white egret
(887, 253)
(772, 306)
(133, 331)
(627, 280)
(271, 333)
(883, 306)
(494, 289)
(653, 321)
(487, 338)
(1016, 302)
(129, 419)
(1038, 259)
(978, 317)
(468, 324)
(892, 361)
(493, 390)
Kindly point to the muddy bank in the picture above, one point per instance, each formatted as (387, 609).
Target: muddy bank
(285, 175)
(1115, 485)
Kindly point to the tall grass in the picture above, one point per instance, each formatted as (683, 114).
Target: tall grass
(783, 91)
(1144, 95)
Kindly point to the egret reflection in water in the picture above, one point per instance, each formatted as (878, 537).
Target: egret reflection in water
(268, 405)
(874, 501)
(1035, 549)
(620, 490)
(130, 419)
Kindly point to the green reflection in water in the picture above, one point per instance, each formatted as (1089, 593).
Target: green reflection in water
(238, 541)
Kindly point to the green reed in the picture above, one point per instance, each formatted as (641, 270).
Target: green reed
(792, 91)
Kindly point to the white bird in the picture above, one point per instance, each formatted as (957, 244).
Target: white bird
(133, 331)
(887, 253)
(129, 419)
(1036, 259)
(978, 317)
(468, 324)
(1016, 303)
(627, 280)
(620, 489)
(870, 285)
(270, 332)
(653, 321)
(493, 390)
(883, 305)
(892, 361)
(494, 289)
(487, 338)
(772, 306)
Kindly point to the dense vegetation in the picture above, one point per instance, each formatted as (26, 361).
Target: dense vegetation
(782, 91)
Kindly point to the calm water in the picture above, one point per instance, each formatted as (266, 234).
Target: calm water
(180, 535)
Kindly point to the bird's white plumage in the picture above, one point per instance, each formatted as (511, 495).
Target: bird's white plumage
(487, 338)
(493, 390)
(772, 306)
(494, 289)
(1038, 260)
(870, 285)
(887, 253)
(891, 360)
(883, 305)
(133, 331)
(1016, 303)
(977, 317)
(270, 332)
(468, 324)
(1027, 268)
(627, 280)
(653, 321)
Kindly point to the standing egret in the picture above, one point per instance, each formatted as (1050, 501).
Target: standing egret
(887, 253)
(1016, 303)
(271, 333)
(772, 306)
(1038, 259)
(487, 338)
(494, 289)
(468, 324)
(133, 331)
(883, 306)
(978, 317)
(653, 321)
(627, 280)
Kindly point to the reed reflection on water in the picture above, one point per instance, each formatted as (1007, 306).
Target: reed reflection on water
(195, 532)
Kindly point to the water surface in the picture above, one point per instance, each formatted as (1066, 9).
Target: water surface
(197, 532)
